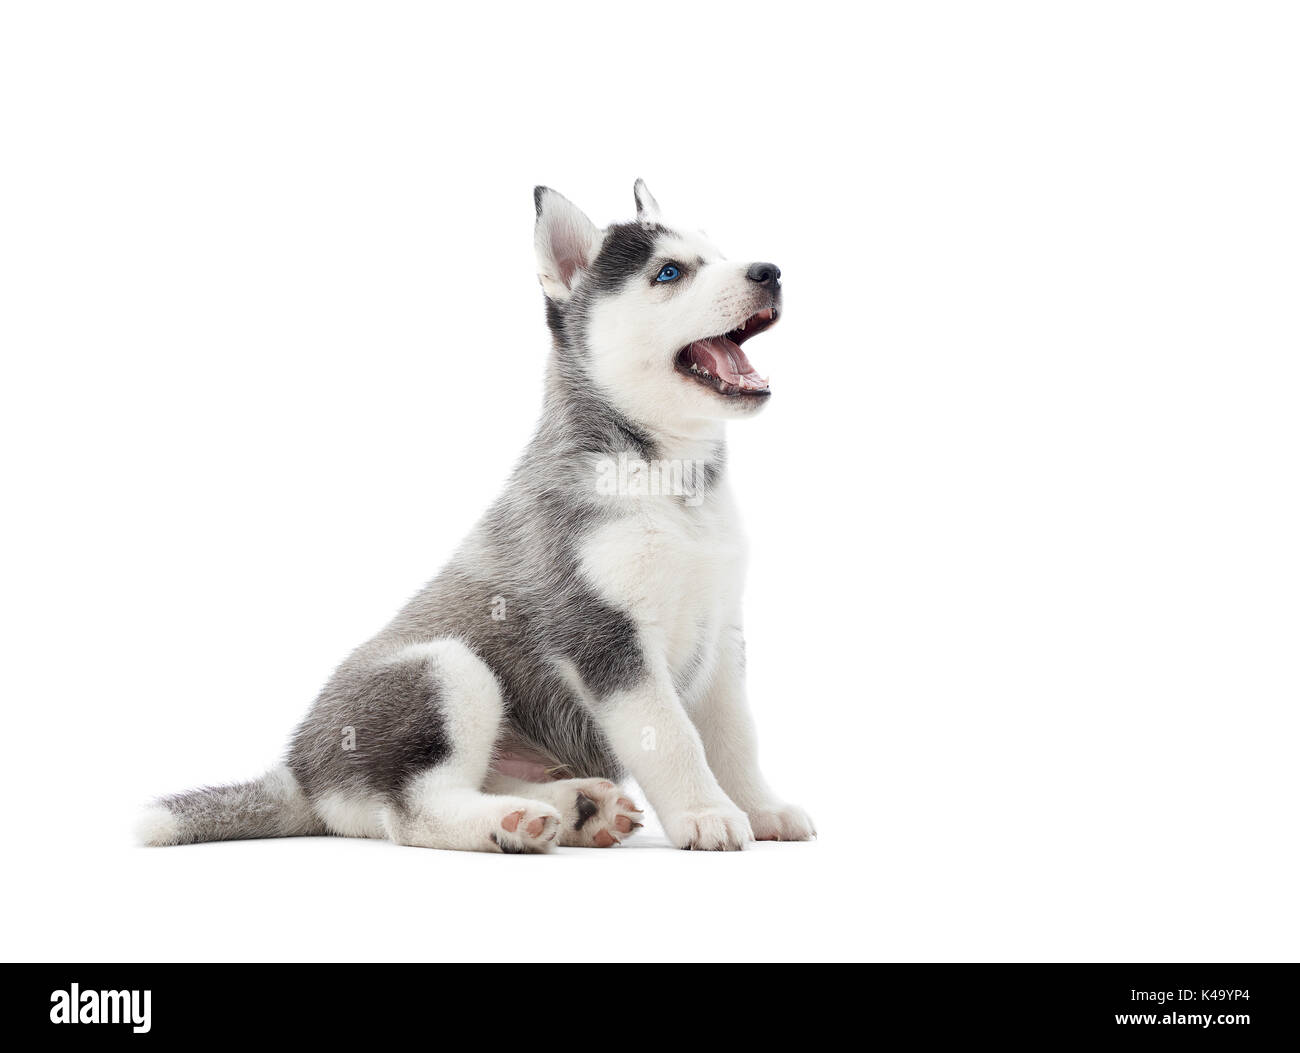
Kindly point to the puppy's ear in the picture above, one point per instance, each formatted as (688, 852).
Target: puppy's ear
(647, 208)
(566, 242)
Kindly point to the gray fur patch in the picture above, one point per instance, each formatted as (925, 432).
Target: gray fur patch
(391, 709)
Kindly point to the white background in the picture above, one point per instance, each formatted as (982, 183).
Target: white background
(1023, 510)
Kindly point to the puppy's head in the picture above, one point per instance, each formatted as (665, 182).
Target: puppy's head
(652, 317)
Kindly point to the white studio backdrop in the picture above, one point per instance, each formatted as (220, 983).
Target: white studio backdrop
(1023, 515)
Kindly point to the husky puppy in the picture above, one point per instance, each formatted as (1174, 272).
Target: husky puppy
(589, 627)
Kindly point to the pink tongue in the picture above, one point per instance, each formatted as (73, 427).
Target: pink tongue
(726, 361)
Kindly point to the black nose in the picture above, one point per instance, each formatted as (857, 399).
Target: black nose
(764, 273)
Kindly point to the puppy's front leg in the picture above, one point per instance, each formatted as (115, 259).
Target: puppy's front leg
(731, 745)
(656, 741)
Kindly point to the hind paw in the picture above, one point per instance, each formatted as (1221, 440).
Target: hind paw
(532, 828)
(597, 814)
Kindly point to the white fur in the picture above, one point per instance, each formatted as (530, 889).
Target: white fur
(156, 825)
(678, 572)
(635, 335)
(351, 816)
(457, 817)
(654, 737)
(730, 740)
(471, 704)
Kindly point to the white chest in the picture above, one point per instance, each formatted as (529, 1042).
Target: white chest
(676, 570)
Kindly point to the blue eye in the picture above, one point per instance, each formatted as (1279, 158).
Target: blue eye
(669, 273)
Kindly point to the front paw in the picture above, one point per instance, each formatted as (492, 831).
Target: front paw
(781, 822)
(721, 828)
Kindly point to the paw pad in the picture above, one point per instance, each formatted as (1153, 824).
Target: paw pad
(599, 813)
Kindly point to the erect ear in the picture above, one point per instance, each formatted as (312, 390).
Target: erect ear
(566, 242)
(647, 208)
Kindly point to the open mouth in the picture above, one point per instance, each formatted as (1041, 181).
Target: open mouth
(718, 362)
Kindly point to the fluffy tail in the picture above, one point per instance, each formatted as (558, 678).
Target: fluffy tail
(272, 806)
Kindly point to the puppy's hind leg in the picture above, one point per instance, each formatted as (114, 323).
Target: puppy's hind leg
(442, 805)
